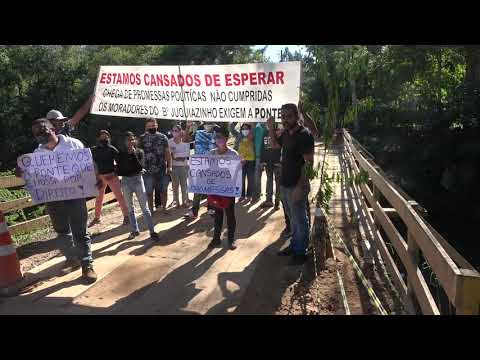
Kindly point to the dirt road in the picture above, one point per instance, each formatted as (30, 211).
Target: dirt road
(180, 275)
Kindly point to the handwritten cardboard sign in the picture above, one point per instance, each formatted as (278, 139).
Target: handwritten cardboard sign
(215, 175)
(59, 175)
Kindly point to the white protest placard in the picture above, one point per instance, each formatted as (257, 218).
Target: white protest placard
(215, 175)
(59, 175)
(220, 93)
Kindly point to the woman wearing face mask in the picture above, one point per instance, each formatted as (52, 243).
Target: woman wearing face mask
(180, 153)
(246, 148)
(104, 156)
(131, 161)
(223, 204)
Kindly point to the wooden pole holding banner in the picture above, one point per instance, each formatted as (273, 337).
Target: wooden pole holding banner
(183, 96)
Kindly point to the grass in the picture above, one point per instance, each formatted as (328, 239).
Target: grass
(31, 236)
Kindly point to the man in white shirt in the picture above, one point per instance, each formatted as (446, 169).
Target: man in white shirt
(69, 217)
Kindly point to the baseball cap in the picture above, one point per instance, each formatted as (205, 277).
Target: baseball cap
(55, 115)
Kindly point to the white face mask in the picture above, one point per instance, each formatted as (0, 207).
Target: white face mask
(208, 128)
(245, 132)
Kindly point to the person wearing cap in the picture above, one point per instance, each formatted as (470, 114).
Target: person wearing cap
(105, 155)
(204, 142)
(64, 125)
(223, 205)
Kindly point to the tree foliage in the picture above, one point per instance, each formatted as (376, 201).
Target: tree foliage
(36, 79)
(416, 108)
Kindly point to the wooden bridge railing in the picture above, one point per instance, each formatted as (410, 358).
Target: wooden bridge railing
(458, 278)
(7, 182)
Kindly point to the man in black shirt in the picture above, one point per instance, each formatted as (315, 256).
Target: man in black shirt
(104, 155)
(297, 146)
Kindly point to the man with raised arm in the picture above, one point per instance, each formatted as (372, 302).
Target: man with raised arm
(64, 125)
(297, 146)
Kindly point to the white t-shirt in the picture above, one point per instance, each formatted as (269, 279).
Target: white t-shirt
(64, 143)
(179, 150)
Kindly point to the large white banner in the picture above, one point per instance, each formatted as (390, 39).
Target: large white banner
(220, 93)
(60, 175)
(215, 175)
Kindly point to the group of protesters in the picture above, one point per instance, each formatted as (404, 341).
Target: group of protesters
(148, 163)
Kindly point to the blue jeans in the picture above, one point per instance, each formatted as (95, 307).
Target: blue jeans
(69, 219)
(134, 184)
(158, 182)
(258, 178)
(273, 170)
(297, 212)
(249, 174)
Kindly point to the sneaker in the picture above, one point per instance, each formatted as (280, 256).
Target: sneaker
(242, 199)
(297, 260)
(211, 212)
(70, 265)
(232, 246)
(214, 243)
(89, 274)
(94, 222)
(266, 204)
(255, 199)
(126, 221)
(285, 252)
(190, 215)
(133, 235)
(154, 236)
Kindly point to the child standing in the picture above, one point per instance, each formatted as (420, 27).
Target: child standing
(226, 205)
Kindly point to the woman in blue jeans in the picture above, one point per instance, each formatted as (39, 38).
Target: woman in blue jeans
(130, 167)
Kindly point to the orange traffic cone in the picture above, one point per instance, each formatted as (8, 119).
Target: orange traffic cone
(10, 272)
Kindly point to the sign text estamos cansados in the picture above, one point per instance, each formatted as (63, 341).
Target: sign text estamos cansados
(220, 93)
(215, 175)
